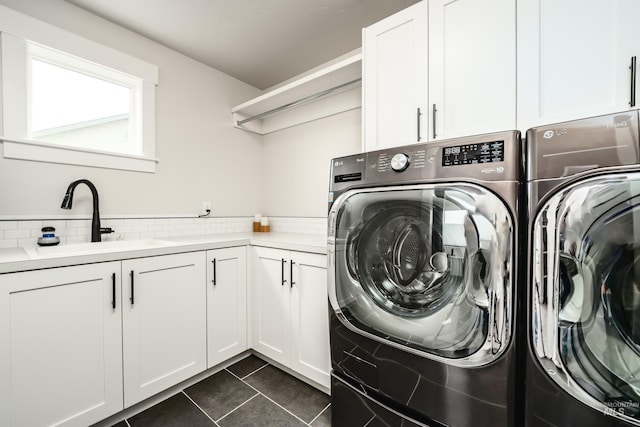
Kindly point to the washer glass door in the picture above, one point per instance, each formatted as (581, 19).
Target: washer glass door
(586, 292)
(425, 268)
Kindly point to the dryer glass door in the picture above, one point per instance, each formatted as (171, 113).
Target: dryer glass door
(586, 292)
(426, 269)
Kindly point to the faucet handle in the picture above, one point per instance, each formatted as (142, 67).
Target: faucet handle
(106, 230)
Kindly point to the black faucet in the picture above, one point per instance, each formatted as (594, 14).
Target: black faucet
(96, 231)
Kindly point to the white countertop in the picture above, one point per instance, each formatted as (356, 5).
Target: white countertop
(33, 258)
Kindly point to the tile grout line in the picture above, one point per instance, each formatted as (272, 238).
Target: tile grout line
(239, 406)
(258, 393)
(201, 410)
(285, 409)
(320, 413)
(253, 372)
(268, 398)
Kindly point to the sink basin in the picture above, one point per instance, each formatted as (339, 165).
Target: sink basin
(92, 248)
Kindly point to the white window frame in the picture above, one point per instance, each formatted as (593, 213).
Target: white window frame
(21, 37)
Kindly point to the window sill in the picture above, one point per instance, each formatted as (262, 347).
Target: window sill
(50, 153)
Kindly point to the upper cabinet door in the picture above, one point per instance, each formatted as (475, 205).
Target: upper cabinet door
(395, 80)
(574, 58)
(472, 67)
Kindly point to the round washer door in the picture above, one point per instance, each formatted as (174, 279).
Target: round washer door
(585, 301)
(425, 268)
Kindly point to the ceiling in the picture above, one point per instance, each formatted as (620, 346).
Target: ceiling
(261, 42)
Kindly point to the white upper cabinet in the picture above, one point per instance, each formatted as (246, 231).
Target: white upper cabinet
(444, 72)
(574, 58)
(472, 67)
(395, 79)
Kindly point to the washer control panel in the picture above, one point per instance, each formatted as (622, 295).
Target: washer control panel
(489, 157)
(469, 154)
(410, 158)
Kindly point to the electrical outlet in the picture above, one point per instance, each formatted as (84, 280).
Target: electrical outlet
(206, 208)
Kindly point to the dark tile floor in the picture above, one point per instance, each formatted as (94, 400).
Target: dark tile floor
(251, 392)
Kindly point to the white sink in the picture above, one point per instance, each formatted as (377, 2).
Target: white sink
(92, 248)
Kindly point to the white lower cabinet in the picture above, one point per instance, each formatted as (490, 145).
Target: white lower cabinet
(60, 346)
(290, 322)
(81, 343)
(164, 322)
(226, 304)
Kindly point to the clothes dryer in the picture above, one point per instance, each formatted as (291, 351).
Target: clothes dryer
(583, 356)
(423, 274)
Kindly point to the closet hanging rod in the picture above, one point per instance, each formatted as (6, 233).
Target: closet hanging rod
(299, 102)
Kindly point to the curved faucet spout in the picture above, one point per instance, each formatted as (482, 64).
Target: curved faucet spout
(67, 201)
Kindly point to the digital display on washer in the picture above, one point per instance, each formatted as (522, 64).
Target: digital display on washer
(484, 152)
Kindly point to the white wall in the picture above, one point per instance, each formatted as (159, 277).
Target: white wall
(201, 156)
(298, 160)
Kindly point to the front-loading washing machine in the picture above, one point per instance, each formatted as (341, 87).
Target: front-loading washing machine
(423, 273)
(583, 354)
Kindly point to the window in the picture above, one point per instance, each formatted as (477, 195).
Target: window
(74, 101)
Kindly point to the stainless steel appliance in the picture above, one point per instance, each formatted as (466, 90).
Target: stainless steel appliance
(583, 355)
(422, 283)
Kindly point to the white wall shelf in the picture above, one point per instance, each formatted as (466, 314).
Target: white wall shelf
(327, 90)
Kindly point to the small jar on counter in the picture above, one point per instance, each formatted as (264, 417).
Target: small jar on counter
(257, 222)
(264, 224)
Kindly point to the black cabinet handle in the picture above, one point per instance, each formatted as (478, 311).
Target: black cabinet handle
(282, 271)
(418, 120)
(632, 67)
(113, 290)
(132, 288)
(214, 272)
(291, 273)
(435, 111)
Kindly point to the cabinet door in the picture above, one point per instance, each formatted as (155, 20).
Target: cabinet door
(310, 317)
(226, 304)
(472, 67)
(395, 80)
(271, 303)
(164, 322)
(574, 58)
(60, 346)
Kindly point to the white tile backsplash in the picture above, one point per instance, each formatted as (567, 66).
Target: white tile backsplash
(14, 233)
(298, 225)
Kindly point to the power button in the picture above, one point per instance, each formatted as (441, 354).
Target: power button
(399, 162)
